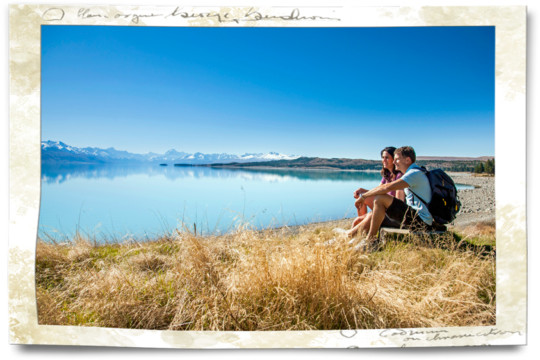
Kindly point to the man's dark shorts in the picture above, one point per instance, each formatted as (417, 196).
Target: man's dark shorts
(401, 215)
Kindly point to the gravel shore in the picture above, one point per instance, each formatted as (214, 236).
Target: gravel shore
(478, 204)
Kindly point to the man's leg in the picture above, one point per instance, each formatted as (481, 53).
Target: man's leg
(380, 204)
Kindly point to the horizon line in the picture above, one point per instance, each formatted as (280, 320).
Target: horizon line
(418, 157)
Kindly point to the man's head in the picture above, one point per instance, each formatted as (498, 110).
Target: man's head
(404, 157)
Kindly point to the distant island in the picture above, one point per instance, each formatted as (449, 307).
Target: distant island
(445, 163)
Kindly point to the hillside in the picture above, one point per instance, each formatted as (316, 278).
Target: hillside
(354, 164)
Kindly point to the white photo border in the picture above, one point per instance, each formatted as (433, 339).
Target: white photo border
(510, 150)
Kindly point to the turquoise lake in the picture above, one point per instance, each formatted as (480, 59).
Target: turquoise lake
(117, 202)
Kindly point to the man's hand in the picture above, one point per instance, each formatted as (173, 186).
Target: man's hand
(356, 193)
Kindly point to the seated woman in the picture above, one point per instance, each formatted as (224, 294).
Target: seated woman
(389, 174)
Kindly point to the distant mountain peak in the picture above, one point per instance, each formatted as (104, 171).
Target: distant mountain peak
(57, 151)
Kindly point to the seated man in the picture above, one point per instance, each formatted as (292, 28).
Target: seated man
(413, 213)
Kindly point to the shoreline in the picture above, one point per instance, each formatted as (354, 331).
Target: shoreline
(289, 168)
(478, 206)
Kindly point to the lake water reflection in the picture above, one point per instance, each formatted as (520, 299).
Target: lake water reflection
(113, 202)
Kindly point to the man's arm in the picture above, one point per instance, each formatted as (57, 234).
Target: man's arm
(383, 189)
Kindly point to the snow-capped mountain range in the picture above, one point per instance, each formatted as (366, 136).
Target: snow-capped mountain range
(59, 152)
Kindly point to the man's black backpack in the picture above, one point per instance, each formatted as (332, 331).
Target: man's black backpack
(444, 203)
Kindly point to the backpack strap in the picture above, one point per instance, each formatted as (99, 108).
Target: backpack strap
(424, 170)
(425, 203)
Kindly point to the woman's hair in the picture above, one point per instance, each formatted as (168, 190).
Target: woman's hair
(386, 173)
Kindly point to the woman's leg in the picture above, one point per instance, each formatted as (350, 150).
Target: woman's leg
(362, 227)
(367, 203)
(361, 211)
(358, 220)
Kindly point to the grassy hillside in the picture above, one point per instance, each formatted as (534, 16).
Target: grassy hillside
(352, 164)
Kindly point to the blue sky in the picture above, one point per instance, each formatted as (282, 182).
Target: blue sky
(329, 92)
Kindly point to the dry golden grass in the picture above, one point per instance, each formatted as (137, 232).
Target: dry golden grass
(269, 280)
(485, 229)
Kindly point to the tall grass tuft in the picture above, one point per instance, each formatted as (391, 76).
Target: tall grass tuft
(264, 280)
